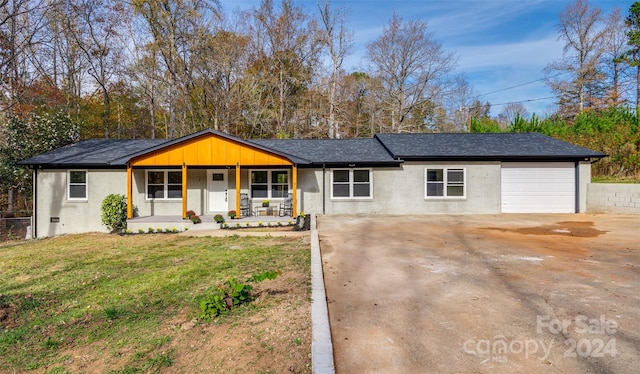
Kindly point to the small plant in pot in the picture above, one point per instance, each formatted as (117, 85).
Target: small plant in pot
(190, 213)
(195, 219)
(232, 214)
(218, 218)
(265, 203)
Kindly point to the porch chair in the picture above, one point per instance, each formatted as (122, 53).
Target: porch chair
(287, 206)
(245, 206)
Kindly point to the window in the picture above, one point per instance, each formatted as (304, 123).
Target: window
(279, 183)
(77, 185)
(351, 183)
(267, 184)
(164, 184)
(444, 183)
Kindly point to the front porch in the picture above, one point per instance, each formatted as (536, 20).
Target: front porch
(170, 222)
(210, 172)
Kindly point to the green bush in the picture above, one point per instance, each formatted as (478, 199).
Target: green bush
(231, 294)
(114, 212)
(218, 218)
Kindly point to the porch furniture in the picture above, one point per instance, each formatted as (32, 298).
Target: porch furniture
(273, 207)
(245, 206)
(287, 206)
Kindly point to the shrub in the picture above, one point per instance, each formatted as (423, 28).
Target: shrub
(114, 212)
(195, 219)
(218, 218)
(231, 294)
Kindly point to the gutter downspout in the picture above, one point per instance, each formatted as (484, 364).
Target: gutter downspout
(34, 215)
(577, 182)
(323, 189)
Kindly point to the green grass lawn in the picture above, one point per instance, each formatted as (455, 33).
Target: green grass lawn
(116, 295)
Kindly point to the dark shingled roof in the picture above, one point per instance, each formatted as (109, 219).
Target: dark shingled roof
(92, 152)
(332, 151)
(482, 146)
(383, 149)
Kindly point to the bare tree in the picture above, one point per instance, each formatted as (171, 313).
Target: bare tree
(613, 58)
(411, 67)
(284, 53)
(337, 41)
(458, 101)
(583, 30)
(94, 26)
(21, 23)
(510, 111)
(174, 26)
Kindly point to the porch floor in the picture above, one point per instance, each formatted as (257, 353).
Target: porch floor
(171, 222)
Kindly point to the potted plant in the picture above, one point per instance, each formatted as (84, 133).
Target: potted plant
(195, 219)
(190, 213)
(232, 214)
(218, 218)
(265, 203)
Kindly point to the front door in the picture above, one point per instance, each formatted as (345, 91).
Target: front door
(217, 190)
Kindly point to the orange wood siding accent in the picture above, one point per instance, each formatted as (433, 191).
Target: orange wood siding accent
(184, 191)
(294, 198)
(210, 150)
(238, 179)
(130, 192)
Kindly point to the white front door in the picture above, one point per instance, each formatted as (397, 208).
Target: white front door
(217, 190)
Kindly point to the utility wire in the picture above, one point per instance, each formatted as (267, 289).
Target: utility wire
(526, 101)
(522, 84)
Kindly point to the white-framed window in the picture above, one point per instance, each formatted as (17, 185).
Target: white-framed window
(77, 185)
(269, 184)
(351, 184)
(164, 184)
(445, 182)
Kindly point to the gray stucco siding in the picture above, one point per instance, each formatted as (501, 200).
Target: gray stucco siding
(402, 191)
(74, 216)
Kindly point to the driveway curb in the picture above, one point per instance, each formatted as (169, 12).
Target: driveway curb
(321, 345)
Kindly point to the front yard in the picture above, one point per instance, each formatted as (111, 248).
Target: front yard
(127, 304)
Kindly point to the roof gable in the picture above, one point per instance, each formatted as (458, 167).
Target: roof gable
(210, 148)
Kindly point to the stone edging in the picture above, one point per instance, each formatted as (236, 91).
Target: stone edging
(321, 345)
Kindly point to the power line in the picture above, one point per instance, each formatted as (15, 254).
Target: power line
(522, 84)
(526, 101)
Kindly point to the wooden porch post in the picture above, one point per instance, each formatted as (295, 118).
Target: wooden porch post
(129, 191)
(184, 190)
(237, 190)
(294, 200)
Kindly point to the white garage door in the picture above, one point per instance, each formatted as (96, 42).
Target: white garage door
(538, 187)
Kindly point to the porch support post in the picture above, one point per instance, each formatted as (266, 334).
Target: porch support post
(129, 191)
(294, 200)
(237, 189)
(184, 190)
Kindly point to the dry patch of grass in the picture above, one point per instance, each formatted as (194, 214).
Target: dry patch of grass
(129, 304)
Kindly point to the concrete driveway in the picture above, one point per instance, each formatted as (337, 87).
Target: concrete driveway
(483, 293)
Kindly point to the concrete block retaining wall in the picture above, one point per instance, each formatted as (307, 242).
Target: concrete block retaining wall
(613, 198)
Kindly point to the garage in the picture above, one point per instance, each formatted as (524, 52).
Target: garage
(538, 187)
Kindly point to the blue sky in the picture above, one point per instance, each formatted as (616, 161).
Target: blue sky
(498, 43)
